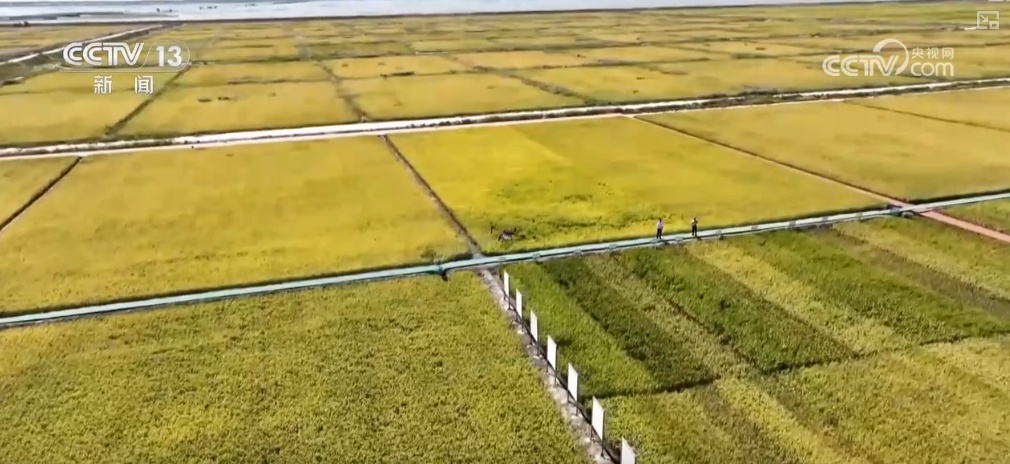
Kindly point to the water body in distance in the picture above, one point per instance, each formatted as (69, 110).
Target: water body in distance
(138, 10)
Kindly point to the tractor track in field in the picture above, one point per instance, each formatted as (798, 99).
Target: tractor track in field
(96, 148)
(26, 316)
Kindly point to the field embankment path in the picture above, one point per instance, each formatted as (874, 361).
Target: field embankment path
(482, 120)
(42, 315)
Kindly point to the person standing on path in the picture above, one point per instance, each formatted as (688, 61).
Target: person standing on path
(694, 227)
(659, 229)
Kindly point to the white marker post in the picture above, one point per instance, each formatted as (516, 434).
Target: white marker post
(519, 303)
(505, 279)
(573, 383)
(552, 353)
(627, 453)
(533, 326)
(597, 422)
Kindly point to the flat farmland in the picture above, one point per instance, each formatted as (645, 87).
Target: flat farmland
(261, 53)
(20, 180)
(350, 68)
(642, 53)
(334, 50)
(751, 49)
(245, 73)
(765, 75)
(523, 59)
(189, 219)
(424, 96)
(189, 110)
(533, 177)
(353, 372)
(840, 345)
(994, 214)
(63, 107)
(612, 83)
(895, 154)
(976, 107)
(453, 45)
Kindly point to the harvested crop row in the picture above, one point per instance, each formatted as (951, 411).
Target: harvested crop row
(355, 373)
(20, 180)
(765, 334)
(914, 312)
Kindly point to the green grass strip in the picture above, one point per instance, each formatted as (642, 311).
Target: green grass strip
(913, 311)
(761, 331)
(670, 363)
(606, 369)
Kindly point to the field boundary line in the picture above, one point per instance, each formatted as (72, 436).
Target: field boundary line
(482, 120)
(38, 195)
(965, 225)
(87, 41)
(461, 230)
(114, 129)
(478, 263)
(926, 116)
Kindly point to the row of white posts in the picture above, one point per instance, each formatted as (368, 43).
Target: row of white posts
(627, 455)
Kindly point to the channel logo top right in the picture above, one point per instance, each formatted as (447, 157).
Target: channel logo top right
(987, 19)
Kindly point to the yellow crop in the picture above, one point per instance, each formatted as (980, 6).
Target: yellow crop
(596, 179)
(523, 59)
(419, 371)
(425, 96)
(132, 225)
(640, 54)
(895, 154)
(979, 107)
(241, 73)
(187, 110)
(390, 65)
(749, 47)
(22, 179)
(62, 116)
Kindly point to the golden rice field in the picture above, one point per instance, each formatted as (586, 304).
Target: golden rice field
(187, 219)
(421, 96)
(855, 344)
(350, 68)
(20, 180)
(190, 110)
(566, 182)
(977, 108)
(895, 154)
(355, 372)
(394, 68)
(62, 116)
(245, 73)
